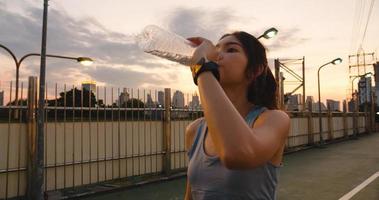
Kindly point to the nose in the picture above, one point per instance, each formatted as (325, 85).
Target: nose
(220, 56)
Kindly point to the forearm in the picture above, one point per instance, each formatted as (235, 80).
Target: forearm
(187, 195)
(227, 127)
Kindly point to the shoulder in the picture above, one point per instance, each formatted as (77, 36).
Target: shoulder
(191, 130)
(274, 115)
(277, 119)
(280, 114)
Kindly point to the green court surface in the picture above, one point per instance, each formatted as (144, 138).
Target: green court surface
(317, 173)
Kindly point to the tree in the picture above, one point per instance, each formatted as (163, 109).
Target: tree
(77, 102)
(134, 103)
(21, 102)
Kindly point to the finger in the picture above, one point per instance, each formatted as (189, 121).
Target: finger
(196, 40)
(193, 44)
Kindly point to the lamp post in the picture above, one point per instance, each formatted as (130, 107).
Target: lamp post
(334, 62)
(36, 191)
(36, 187)
(269, 33)
(82, 60)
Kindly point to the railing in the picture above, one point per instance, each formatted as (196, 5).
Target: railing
(336, 125)
(89, 142)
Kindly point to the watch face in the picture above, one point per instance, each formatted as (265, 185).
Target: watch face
(196, 68)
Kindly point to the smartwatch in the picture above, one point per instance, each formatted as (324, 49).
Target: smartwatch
(204, 65)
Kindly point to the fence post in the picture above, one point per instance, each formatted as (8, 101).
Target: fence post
(31, 134)
(355, 120)
(345, 126)
(330, 125)
(310, 128)
(167, 132)
(372, 108)
(311, 136)
(367, 118)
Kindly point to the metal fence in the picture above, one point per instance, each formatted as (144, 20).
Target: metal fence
(97, 134)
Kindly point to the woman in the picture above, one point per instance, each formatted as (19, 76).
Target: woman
(235, 151)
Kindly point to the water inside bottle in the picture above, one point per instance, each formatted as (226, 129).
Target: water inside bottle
(182, 59)
(165, 44)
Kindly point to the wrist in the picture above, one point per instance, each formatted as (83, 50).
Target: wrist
(204, 75)
(203, 67)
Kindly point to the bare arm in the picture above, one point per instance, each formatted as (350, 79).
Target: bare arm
(188, 195)
(190, 135)
(238, 145)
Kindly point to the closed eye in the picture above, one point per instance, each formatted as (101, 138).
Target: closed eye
(231, 50)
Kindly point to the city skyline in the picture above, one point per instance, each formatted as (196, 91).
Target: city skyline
(103, 31)
(294, 103)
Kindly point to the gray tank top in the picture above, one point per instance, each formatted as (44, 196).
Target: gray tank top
(210, 180)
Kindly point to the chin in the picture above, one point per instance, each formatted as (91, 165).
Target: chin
(224, 84)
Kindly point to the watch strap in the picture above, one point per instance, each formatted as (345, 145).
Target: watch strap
(207, 66)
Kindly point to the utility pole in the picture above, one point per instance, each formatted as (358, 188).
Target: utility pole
(358, 64)
(287, 65)
(37, 193)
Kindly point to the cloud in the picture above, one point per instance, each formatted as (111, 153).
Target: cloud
(287, 38)
(21, 32)
(212, 24)
(202, 22)
(124, 77)
(115, 53)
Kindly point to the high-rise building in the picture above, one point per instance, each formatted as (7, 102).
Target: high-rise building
(161, 98)
(351, 105)
(344, 105)
(376, 69)
(149, 101)
(195, 103)
(178, 99)
(89, 86)
(333, 105)
(124, 97)
(316, 108)
(1, 98)
(309, 103)
(364, 88)
(294, 102)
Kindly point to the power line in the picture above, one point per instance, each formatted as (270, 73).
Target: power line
(360, 23)
(360, 17)
(353, 30)
(368, 20)
(357, 26)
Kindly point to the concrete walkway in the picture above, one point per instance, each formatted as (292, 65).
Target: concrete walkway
(318, 173)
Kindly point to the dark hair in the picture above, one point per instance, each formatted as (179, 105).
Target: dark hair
(262, 89)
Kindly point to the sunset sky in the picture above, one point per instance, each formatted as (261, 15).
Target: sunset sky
(320, 30)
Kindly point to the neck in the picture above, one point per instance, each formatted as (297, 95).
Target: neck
(238, 97)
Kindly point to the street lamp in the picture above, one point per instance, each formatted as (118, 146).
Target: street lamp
(269, 33)
(85, 61)
(36, 191)
(82, 60)
(334, 62)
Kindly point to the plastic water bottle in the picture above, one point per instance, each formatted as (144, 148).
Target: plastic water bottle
(165, 44)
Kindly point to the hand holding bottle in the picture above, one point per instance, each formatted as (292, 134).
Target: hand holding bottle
(204, 49)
